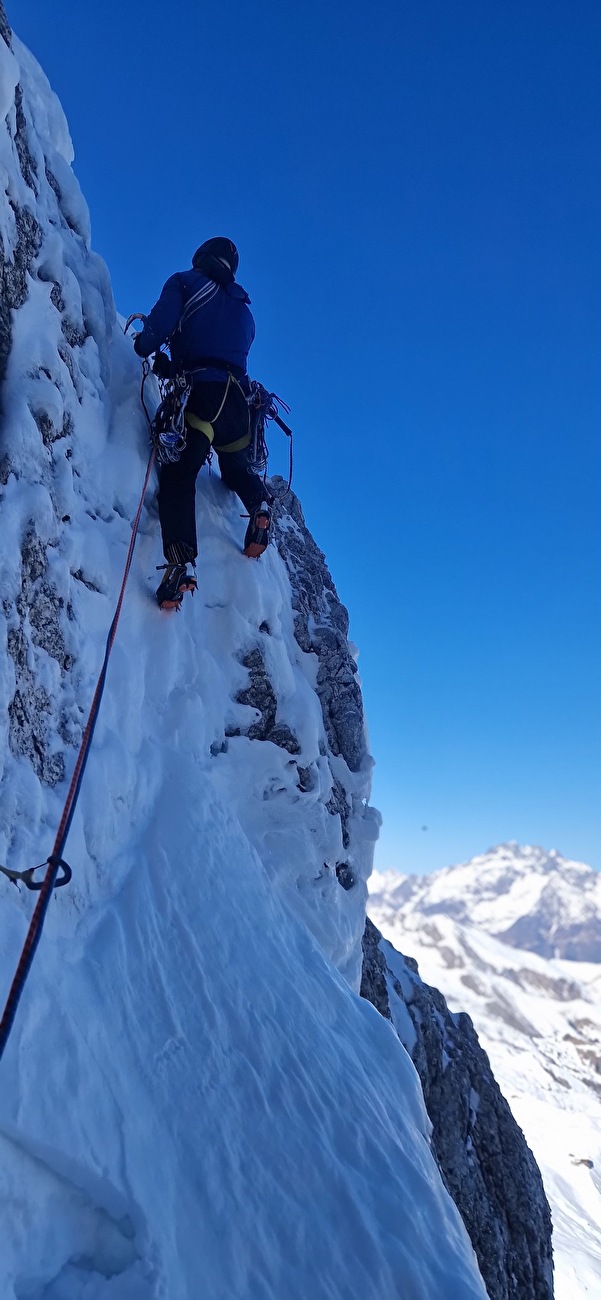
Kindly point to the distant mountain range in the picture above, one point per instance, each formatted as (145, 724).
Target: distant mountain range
(514, 939)
(526, 896)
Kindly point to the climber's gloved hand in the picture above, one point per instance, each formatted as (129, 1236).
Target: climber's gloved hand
(161, 366)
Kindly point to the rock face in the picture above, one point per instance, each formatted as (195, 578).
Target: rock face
(482, 1154)
(5, 31)
(321, 625)
(48, 382)
(320, 630)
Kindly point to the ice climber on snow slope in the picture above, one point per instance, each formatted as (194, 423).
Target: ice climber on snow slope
(205, 317)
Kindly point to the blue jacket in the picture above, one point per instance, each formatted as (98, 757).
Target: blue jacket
(200, 319)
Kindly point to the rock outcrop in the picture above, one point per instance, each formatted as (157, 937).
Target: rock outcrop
(321, 625)
(482, 1154)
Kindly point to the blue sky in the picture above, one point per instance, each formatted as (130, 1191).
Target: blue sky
(415, 190)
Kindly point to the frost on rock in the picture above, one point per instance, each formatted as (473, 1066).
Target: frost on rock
(482, 1154)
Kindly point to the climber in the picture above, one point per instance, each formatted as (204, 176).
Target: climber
(205, 317)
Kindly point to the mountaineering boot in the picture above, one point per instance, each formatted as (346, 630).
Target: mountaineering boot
(177, 580)
(257, 533)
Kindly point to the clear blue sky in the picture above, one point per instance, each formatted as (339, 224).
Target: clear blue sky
(415, 189)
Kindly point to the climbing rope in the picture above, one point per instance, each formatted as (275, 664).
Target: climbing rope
(55, 862)
(290, 437)
(281, 496)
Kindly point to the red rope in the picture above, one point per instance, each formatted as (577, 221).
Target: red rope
(54, 861)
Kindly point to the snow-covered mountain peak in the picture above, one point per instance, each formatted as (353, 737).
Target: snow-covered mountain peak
(528, 896)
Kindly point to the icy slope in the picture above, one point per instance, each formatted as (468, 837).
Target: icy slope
(525, 895)
(540, 1022)
(195, 1102)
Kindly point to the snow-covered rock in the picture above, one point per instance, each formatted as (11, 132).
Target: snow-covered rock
(195, 1100)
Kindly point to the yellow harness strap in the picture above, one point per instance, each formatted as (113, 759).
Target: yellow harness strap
(235, 446)
(202, 425)
(206, 427)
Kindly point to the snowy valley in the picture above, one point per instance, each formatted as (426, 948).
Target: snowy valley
(196, 1102)
(476, 931)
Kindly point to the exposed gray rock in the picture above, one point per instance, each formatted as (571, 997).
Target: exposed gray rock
(39, 602)
(50, 433)
(339, 806)
(321, 626)
(13, 276)
(75, 335)
(543, 934)
(374, 976)
(345, 875)
(26, 159)
(28, 714)
(34, 624)
(5, 31)
(259, 695)
(307, 779)
(482, 1154)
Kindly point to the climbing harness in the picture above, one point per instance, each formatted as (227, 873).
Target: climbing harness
(55, 862)
(208, 426)
(168, 428)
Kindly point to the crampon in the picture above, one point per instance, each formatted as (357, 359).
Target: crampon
(173, 586)
(257, 533)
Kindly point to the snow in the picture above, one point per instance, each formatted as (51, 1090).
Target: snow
(539, 1020)
(195, 1100)
(497, 888)
(225, 1105)
(50, 134)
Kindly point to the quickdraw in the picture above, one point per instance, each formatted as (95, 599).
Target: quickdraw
(27, 876)
(168, 428)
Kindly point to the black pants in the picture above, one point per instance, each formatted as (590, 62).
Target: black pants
(177, 483)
